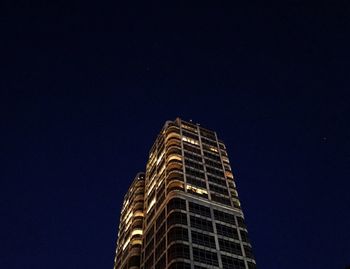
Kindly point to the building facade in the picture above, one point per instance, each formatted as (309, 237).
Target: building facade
(130, 230)
(192, 214)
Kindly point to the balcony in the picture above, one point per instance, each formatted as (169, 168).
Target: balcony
(172, 129)
(173, 142)
(175, 176)
(175, 186)
(174, 167)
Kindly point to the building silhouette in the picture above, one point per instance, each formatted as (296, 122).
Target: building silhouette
(184, 213)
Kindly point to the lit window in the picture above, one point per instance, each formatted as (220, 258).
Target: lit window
(196, 190)
(138, 214)
(161, 170)
(128, 217)
(151, 187)
(190, 140)
(136, 242)
(160, 157)
(213, 149)
(225, 159)
(228, 174)
(127, 226)
(136, 231)
(189, 128)
(173, 135)
(126, 203)
(152, 160)
(151, 204)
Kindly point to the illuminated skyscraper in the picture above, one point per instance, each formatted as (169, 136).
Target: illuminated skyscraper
(192, 214)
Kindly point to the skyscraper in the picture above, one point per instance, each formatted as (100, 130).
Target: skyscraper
(192, 214)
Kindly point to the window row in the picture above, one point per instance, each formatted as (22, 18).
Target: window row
(217, 180)
(193, 156)
(216, 172)
(177, 218)
(178, 251)
(220, 199)
(232, 263)
(176, 203)
(201, 224)
(203, 239)
(226, 231)
(196, 182)
(211, 143)
(218, 189)
(199, 209)
(205, 256)
(248, 252)
(177, 233)
(194, 173)
(224, 217)
(213, 163)
(194, 165)
(229, 246)
(193, 149)
(212, 156)
(189, 126)
(208, 134)
(191, 135)
(179, 265)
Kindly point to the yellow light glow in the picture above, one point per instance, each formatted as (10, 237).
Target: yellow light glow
(127, 226)
(128, 217)
(189, 140)
(152, 178)
(213, 149)
(228, 174)
(161, 170)
(136, 242)
(173, 135)
(151, 187)
(152, 161)
(188, 128)
(174, 157)
(138, 214)
(136, 231)
(197, 190)
(160, 182)
(151, 204)
(160, 157)
(126, 243)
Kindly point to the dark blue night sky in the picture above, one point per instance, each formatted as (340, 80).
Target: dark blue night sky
(85, 89)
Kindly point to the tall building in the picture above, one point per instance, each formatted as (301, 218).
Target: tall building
(192, 218)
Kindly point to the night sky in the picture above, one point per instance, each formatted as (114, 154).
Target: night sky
(85, 89)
